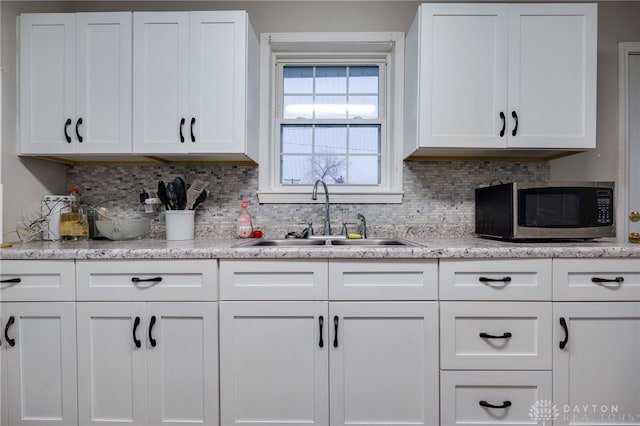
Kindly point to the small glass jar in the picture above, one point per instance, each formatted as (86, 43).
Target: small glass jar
(74, 225)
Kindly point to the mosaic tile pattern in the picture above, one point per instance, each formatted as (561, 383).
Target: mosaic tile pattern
(438, 194)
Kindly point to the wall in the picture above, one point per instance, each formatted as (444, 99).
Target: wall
(430, 198)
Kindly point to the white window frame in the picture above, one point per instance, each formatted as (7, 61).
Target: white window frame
(276, 47)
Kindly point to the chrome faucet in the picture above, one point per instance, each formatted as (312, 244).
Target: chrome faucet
(314, 196)
(363, 225)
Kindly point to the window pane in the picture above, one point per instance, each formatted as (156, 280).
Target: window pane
(331, 107)
(298, 107)
(331, 139)
(298, 80)
(363, 107)
(297, 139)
(364, 170)
(364, 139)
(331, 80)
(331, 168)
(363, 80)
(296, 170)
(348, 154)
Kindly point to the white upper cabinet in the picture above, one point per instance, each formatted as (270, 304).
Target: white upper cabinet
(75, 83)
(194, 83)
(494, 76)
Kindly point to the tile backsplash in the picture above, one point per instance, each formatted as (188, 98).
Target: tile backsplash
(438, 196)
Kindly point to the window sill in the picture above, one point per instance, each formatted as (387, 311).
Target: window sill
(386, 197)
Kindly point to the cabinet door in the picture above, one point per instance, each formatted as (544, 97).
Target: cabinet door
(596, 375)
(104, 71)
(111, 366)
(463, 75)
(383, 363)
(552, 75)
(182, 349)
(47, 83)
(218, 56)
(40, 343)
(160, 72)
(274, 363)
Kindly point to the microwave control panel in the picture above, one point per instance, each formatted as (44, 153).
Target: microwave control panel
(605, 207)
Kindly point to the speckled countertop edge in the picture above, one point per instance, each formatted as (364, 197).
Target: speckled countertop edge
(456, 248)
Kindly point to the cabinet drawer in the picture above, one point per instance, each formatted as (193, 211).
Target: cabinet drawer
(495, 335)
(273, 279)
(512, 279)
(462, 392)
(596, 279)
(152, 280)
(383, 280)
(37, 280)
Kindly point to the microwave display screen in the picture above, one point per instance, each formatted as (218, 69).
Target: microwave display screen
(563, 207)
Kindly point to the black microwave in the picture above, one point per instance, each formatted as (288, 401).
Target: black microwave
(529, 211)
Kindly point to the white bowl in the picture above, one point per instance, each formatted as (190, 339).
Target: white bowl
(123, 229)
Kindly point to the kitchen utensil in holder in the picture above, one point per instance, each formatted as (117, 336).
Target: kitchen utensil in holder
(180, 224)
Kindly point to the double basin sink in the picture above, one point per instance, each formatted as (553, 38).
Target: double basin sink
(331, 242)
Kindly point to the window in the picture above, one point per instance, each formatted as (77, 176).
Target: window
(330, 124)
(329, 117)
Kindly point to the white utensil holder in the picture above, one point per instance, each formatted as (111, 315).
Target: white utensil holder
(180, 224)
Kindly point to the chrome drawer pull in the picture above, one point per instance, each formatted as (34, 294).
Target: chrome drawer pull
(506, 335)
(505, 404)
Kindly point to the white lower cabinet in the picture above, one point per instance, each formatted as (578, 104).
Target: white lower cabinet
(353, 343)
(38, 349)
(147, 363)
(494, 397)
(295, 362)
(274, 363)
(38, 343)
(383, 360)
(596, 363)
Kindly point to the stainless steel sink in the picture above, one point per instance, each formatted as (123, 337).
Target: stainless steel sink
(290, 242)
(373, 242)
(343, 242)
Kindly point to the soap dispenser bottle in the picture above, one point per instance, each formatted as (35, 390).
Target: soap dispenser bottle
(244, 222)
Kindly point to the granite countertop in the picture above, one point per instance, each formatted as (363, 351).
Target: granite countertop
(209, 248)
